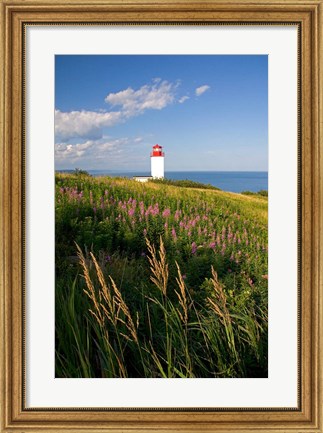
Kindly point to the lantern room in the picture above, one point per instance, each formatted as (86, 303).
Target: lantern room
(157, 151)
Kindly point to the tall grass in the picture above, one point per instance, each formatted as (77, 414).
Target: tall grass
(156, 280)
(184, 339)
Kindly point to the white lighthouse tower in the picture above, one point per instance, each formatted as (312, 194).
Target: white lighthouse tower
(157, 157)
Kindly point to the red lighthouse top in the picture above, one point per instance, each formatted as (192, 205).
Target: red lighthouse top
(157, 151)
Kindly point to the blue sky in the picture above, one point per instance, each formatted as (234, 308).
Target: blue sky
(208, 112)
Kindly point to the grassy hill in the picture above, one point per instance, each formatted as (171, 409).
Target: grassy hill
(157, 280)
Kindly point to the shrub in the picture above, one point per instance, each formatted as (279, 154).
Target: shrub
(186, 183)
(80, 172)
(262, 192)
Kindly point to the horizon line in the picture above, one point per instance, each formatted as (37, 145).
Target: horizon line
(168, 171)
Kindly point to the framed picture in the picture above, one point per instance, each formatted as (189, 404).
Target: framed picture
(162, 216)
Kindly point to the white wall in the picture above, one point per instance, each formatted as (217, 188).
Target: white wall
(157, 166)
(141, 179)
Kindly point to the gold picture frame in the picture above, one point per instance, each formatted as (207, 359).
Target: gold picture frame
(15, 15)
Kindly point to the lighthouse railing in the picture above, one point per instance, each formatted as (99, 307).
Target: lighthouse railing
(157, 153)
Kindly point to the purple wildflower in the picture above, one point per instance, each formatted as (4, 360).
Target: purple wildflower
(174, 233)
(166, 213)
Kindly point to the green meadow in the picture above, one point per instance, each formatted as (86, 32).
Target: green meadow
(159, 280)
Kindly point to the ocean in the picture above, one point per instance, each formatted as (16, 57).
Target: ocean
(233, 181)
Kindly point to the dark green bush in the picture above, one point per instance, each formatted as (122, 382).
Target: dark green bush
(185, 183)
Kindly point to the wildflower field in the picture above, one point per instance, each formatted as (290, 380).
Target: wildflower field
(155, 280)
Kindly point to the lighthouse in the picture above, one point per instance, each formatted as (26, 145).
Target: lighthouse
(157, 157)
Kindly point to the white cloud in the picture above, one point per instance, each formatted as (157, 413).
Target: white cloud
(200, 90)
(65, 151)
(89, 124)
(93, 150)
(183, 99)
(85, 124)
(150, 96)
